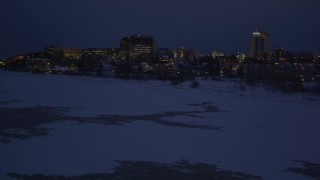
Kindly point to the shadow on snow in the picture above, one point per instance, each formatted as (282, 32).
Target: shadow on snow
(309, 169)
(131, 170)
(25, 123)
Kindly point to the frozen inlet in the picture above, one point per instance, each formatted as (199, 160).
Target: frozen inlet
(92, 124)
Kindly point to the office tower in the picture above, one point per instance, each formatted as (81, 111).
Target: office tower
(125, 48)
(259, 44)
(137, 47)
(142, 47)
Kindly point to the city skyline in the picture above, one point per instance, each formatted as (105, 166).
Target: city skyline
(204, 26)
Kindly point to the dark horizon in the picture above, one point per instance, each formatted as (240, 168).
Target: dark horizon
(203, 25)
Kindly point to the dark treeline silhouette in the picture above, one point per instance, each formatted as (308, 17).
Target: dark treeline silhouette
(288, 72)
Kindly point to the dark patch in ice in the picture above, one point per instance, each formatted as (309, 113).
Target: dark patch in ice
(207, 107)
(309, 169)
(25, 123)
(131, 170)
(316, 99)
(8, 102)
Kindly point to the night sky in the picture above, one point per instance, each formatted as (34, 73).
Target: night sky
(203, 25)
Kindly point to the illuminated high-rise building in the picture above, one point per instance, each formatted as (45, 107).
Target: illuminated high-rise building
(139, 47)
(259, 44)
(125, 48)
(142, 46)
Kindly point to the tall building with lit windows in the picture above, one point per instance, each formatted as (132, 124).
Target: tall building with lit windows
(142, 46)
(259, 44)
(139, 47)
(125, 48)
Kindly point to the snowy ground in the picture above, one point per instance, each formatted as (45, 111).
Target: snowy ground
(68, 125)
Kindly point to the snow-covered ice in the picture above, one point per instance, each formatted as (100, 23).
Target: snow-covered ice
(261, 133)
